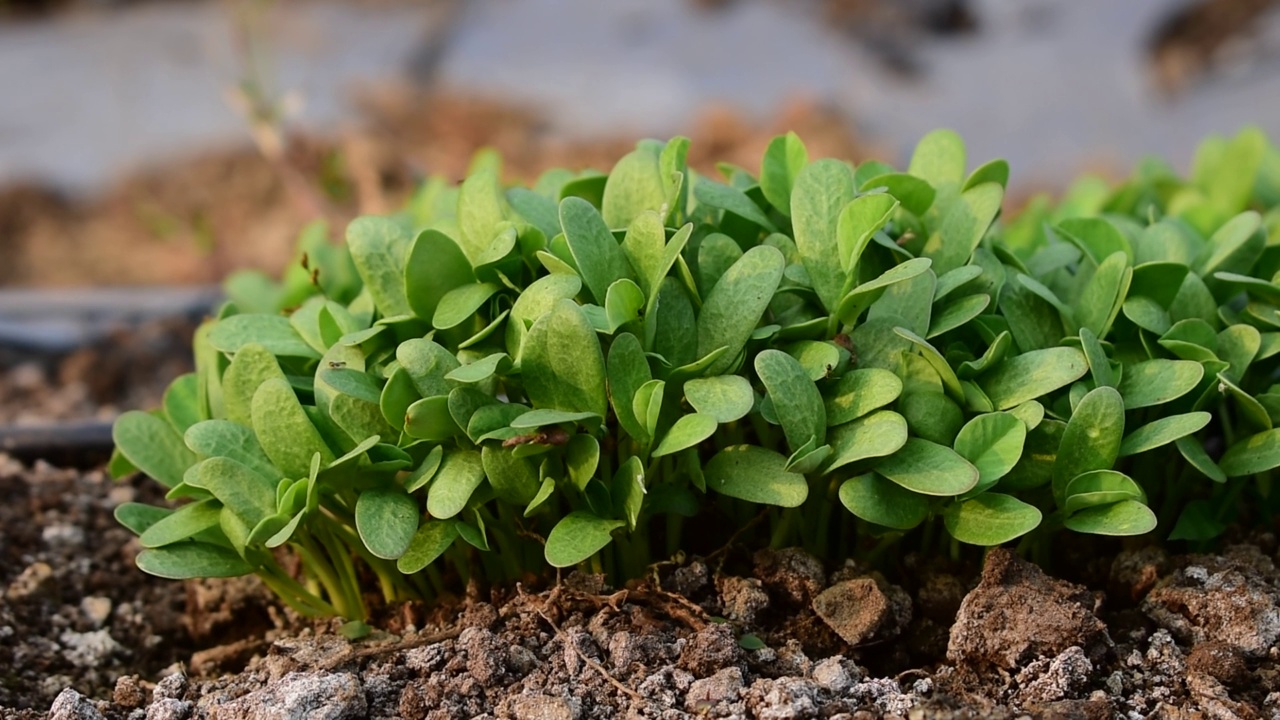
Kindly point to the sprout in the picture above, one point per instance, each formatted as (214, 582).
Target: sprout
(509, 378)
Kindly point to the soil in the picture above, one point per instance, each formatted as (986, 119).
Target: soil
(128, 368)
(84, 634)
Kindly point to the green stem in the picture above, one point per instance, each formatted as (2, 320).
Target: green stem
(340, 555)
(315, 563)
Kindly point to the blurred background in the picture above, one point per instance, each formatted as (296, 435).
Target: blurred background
(159, 144)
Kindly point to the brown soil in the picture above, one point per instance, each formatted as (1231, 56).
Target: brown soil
(195, 220)
(1198, 641)
(126, 370)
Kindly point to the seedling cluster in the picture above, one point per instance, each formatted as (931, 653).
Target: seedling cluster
(598, 367)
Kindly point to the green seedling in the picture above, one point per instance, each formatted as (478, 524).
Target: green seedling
(588, 370)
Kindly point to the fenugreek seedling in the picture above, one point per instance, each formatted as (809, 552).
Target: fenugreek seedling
(610, 369)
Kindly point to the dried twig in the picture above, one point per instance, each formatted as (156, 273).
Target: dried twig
(376, 650)
(591, 663)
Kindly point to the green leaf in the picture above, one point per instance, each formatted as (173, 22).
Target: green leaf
(462, 303)
(993, 443)
(214, 438)
(725, 398)
(387, 521)
(1193, 452)
(429, 542)
(930, 414)
(716, 254)
(859, 392)
(996, 171)
(756, 475)
(1163, 431)
(427, 363)
(182, 402)
(184, 561)
(482, 369)
(915, 194)
(820, 194)
(481, 208)
(950, 382)
(735, 305)
(514, 479)
(273, 332)
(1154, 382)
(1100, 487)
(666, 326)
(796, 399)
(252, 366)
(1091, 440)
(596, 253)
(1034, 322)
(461, 472)
(563, 366)
(1127, 517)
(991, 357)
(1096, 236)
(730, 199)
(910, 300)
(139, 518)
(635, 186)
(963, 226)
(866, 294)
(750, 642)
(284, 431)
(425, 471)
(430, 419)
(627, 371)
(859, 220)
(1104, 293)
(882, 502)
(578, 536)
(957, 314)
(1254, 454)
(990, 519)
(876, 435)
(582, 459)
(929, 469)
(1033, 374)
(1096, 357)
(185, 522)
(687, 432)
(645, 248)
(379, 247)
(153, 446)
(783, 160)
(241, 490)
(349, 381)
(628, 491)
(435, 266)
(939, 158)
(1234, 247)
(623, 303)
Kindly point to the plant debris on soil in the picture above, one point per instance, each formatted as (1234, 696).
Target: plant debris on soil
(774, 634)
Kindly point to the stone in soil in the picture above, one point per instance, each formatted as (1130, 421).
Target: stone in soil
(1233, 599)
(1017, 613)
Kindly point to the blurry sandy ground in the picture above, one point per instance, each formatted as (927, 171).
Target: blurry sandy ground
(195, 220)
